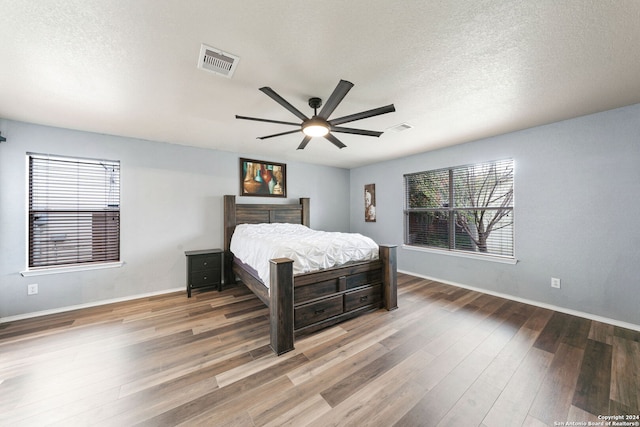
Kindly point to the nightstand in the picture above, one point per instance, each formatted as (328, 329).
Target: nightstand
(204, 269)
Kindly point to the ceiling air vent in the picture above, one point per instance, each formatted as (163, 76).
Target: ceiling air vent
(401, 127)
(217, 61)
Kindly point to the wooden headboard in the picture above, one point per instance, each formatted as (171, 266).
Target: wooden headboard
(261, 213)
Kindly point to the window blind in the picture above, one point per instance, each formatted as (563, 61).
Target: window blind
(74, 211)
(465, 208)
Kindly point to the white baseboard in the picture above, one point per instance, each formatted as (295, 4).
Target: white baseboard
(87, 305)
(532, 302)
(435, 279)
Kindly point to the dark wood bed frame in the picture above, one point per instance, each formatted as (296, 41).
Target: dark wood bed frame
(321, 298)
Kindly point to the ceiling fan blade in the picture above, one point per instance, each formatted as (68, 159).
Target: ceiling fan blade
(363, 115)
(304, 142)
(279, 134)
(336, 98)
(280, 100)
(266, 120)
(356, 131)
(335, 141)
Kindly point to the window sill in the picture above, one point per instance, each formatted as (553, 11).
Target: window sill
(70, 269)
(461, 254)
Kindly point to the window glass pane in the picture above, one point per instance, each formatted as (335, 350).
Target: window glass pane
(428, 189)
(483, 185)
(429, 229)
(489, 232)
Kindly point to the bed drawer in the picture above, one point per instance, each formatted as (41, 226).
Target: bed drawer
(365, 278)
(315, 291)
(367, 296)
(307, 314)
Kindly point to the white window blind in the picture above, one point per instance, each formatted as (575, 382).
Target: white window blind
(74, 211)
(465, 208)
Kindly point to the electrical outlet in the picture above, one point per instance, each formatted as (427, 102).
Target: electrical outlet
(555, 282)
(32, 289)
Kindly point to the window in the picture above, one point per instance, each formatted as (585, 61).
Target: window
(74, 211)
(465, 208)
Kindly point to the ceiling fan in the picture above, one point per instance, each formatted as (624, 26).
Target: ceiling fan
(319, 124)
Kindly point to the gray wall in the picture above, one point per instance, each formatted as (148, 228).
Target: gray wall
(577, 189)
(577, 194)
(171, 201)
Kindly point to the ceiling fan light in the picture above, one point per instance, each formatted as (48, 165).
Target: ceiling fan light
(315, 130)
(315, 127)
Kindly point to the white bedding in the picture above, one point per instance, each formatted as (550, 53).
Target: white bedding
(310, 250)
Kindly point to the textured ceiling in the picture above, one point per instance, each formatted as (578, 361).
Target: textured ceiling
(456, 70)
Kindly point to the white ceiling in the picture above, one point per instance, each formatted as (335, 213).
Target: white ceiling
(456, 70)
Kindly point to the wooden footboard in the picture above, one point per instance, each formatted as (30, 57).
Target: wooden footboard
(310, 301)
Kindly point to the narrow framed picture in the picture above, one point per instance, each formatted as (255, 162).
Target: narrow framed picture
(370, 203)
(262, 179)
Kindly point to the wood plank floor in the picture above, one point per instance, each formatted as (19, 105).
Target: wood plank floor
(446, 357)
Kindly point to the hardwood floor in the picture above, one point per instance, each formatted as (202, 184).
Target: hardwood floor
(447, 356)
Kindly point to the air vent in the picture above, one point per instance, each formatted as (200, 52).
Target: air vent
(401, 127)
(217, 61)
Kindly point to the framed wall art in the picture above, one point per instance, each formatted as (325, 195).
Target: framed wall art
(370, 203)
(262, 179)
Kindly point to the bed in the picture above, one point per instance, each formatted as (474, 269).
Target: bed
(306, 302)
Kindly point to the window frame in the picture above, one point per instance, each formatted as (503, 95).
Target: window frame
(451, 210)
(101, 203)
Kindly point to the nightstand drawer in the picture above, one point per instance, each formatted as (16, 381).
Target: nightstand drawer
(205, 277)
(205, 262)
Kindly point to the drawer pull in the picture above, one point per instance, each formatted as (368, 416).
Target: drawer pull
(205, 277)
(204, 263)
(320, 311)
(364, 298)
